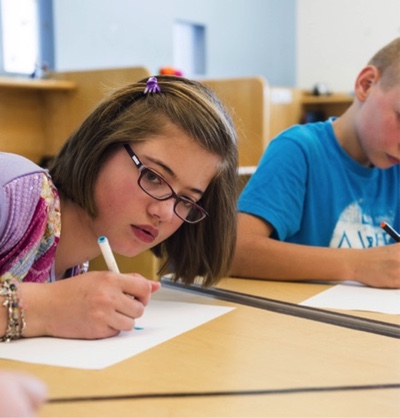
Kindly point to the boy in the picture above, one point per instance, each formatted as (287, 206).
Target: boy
(313, 208)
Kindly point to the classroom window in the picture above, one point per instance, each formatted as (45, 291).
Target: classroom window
(26, 35)
(189, 48)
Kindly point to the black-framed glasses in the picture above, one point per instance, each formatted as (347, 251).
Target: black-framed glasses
(158, 188)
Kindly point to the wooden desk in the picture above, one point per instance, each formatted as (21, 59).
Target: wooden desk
(361, 403)
(295, 292)
(249, 362)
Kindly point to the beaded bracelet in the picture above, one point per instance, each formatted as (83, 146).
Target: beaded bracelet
(15, 313)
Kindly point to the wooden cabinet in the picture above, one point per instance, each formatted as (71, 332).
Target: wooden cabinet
(247, 99)
(28, 113)
(322, 107)
(37, 116)
(289, 106)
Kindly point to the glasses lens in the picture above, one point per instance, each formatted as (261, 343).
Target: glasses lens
(188, 211)
(154, 185)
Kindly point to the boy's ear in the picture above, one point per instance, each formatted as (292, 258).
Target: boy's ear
(368, 77)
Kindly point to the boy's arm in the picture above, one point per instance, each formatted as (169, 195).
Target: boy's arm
(259, 256)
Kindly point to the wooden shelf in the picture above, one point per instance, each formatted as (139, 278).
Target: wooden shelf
(308, 98)
(33, 84)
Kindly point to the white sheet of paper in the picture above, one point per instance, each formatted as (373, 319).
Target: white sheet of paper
(355, 296)
(161, 321)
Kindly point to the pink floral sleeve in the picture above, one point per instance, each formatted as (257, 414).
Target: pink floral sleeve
(28, 243)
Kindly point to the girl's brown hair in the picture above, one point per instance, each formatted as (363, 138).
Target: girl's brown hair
(201, 250)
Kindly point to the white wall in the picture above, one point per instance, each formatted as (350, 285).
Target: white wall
(336, 38)
(289, 42)
(243, 37)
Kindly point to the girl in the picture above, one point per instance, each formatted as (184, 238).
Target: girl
(154, 166)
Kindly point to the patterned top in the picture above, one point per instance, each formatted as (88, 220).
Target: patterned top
(30, 221)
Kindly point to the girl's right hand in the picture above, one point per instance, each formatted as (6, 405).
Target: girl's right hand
(93, 305)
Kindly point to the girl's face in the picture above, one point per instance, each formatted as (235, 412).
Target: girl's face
(134, 221)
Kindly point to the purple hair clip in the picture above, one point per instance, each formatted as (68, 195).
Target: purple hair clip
(152, 86)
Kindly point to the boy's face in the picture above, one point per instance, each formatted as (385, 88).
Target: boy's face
(378, 126)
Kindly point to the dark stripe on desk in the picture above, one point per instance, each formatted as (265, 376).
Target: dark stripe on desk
(286, 308)
(225, 393)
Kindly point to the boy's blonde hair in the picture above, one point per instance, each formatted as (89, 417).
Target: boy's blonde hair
(387, 61)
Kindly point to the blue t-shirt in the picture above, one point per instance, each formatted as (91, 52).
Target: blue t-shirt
(314, 193)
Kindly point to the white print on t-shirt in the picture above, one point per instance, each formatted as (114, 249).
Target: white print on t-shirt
(356, 230)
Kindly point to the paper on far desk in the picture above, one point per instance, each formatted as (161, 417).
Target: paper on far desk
(355, 296)
(161, 321)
